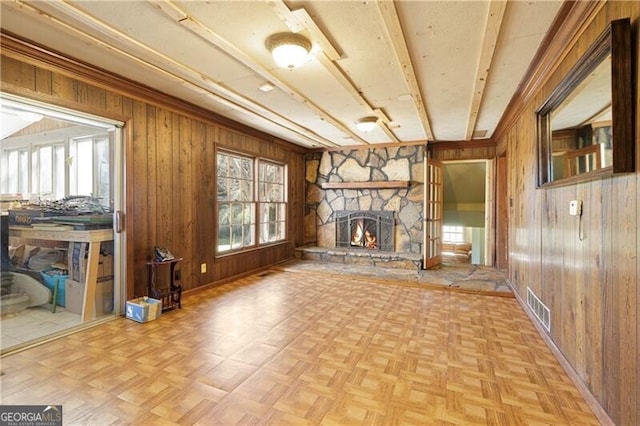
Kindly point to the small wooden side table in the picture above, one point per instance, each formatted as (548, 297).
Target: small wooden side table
(171, 297)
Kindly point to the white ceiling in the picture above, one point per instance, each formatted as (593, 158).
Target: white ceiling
(429, 70)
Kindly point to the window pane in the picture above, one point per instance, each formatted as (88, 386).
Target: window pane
(236, 214)
(46, 170)
(23, 173)
(281, 233)
(234, 166)
(272, 173)
(248, 214)
(236, 236)
(102, 187)
(264, 192)
(222, 165)
(84, 165)
(275, 192)
(224, 238)
(58, 172)
(35, 172)
(247, 169)
(12, 178)
(272, 216)
(234, 190)
(4, 180)
(223, 192)
(453, 234)
(247, 190)
(249, 232)
(223, 215)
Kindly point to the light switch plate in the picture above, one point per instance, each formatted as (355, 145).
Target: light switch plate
(575, 208)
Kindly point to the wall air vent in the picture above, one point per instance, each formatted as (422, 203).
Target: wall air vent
(539, 309)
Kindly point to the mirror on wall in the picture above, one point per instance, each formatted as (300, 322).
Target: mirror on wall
(585, 128)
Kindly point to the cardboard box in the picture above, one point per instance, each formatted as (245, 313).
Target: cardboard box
(103, 300)
(77, 262)
(105, 266)
(75, 296)
(143, 309)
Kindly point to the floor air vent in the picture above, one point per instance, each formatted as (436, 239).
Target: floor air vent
(539, 309)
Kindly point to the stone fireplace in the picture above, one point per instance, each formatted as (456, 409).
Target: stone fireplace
(373, 230)
(374, 192)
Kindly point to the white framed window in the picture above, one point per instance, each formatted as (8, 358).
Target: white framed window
(34, 169)
(55, 170)
(453, 234)
(251, 196)
(90, 167)
(272, 194)
(14, 171)
(48, 170)
(50, 152)
(236, 205)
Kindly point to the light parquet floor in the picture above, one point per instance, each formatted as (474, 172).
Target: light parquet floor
(286, 348)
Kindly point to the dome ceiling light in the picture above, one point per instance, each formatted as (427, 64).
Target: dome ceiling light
(367, 124)
(289, 50)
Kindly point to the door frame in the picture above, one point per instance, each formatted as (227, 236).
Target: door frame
(118, 178)
(489, 240)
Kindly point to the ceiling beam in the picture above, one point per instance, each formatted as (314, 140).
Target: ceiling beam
(182, 74)
(341, 77)
(207, 34)
(39, 56)
(489, 43)
(393, 28)
(305, 20)
(300, 20)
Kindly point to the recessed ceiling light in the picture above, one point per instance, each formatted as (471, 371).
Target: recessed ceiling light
(267, 87)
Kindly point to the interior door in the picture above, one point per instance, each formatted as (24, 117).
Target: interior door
(433, 214)
(84, 154)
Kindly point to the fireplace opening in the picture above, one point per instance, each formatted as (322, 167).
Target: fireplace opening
(371, 230)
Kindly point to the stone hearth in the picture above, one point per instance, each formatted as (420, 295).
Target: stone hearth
(363, 257)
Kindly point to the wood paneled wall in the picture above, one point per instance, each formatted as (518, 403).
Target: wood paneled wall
(585, 270)
(169, 168)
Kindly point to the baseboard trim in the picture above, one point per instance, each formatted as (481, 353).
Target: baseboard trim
(591, 400)
(232, 278)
